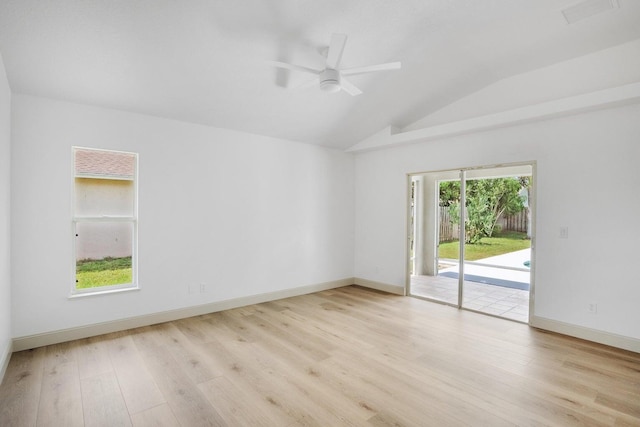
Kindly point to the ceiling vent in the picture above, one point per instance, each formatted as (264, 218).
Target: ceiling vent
(587, 9)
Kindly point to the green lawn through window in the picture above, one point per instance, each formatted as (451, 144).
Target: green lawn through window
(105, 272)
(500, 243)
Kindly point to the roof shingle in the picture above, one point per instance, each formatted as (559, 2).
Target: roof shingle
(104, 164)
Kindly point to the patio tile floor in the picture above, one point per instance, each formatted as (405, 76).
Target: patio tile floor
(500, 301)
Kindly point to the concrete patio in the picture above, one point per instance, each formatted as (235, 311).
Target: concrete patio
(483, 297)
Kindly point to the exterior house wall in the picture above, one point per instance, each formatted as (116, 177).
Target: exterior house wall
(103, 197)
(97, 241)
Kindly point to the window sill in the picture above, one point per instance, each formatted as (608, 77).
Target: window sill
(103, 292)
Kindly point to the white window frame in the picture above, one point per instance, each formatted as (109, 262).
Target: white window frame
(77, 219)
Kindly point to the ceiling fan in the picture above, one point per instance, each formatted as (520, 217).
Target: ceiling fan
(332, 78)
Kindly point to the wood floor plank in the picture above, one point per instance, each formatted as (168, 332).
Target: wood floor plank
(184, 398)
(342, 357)
(294, 327)
(93, 357)
(244, 368)
(235, 406)
(139, 390)
(188, 355)
(235, 324)
(254, 368)
(158, 416)
(385, 383)
(516, 396)
(61, 397)
(20, 390)
(315, 384)
(195, 328)
(293, 343)
(102, 401)
(279, 394)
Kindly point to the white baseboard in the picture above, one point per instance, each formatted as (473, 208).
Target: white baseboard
(385, 287)
(5, 356)
(55, 337)
(613, 340)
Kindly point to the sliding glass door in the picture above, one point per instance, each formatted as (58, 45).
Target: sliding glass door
(471, 239)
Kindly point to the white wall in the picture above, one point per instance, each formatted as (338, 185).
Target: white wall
(242, 213)
(587, 179)
(5, 196)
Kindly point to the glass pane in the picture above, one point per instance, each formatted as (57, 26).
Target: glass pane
(104, 197)
(435, 237)
(497, 249)
(448, 256)
(103, 254)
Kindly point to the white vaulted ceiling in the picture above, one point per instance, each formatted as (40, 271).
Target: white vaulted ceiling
(203, 61)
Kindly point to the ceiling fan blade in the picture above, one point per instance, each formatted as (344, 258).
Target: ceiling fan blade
(371, 68)
(293, 67)
(334, 55)
(349, 87)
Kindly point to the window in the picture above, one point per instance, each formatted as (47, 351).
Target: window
(105, 220)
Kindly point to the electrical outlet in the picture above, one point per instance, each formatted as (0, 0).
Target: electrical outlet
(203, 288)
(564, 232)
(593, 308)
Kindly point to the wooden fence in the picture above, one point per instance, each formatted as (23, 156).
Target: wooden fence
(517, 222)
(450, 231)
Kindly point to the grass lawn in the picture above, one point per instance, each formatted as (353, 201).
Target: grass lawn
(104, 272)
(500, 243)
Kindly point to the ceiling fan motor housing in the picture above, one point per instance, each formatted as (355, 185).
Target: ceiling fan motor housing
(330, 80)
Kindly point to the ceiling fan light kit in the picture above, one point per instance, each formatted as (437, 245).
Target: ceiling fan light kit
(330, 81)
(331, 78)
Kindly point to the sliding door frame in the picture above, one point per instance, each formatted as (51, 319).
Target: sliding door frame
(411, 232)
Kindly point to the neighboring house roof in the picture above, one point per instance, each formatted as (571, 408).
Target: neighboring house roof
(107, 164)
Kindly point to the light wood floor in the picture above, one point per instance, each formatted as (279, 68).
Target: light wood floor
(343, 357)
